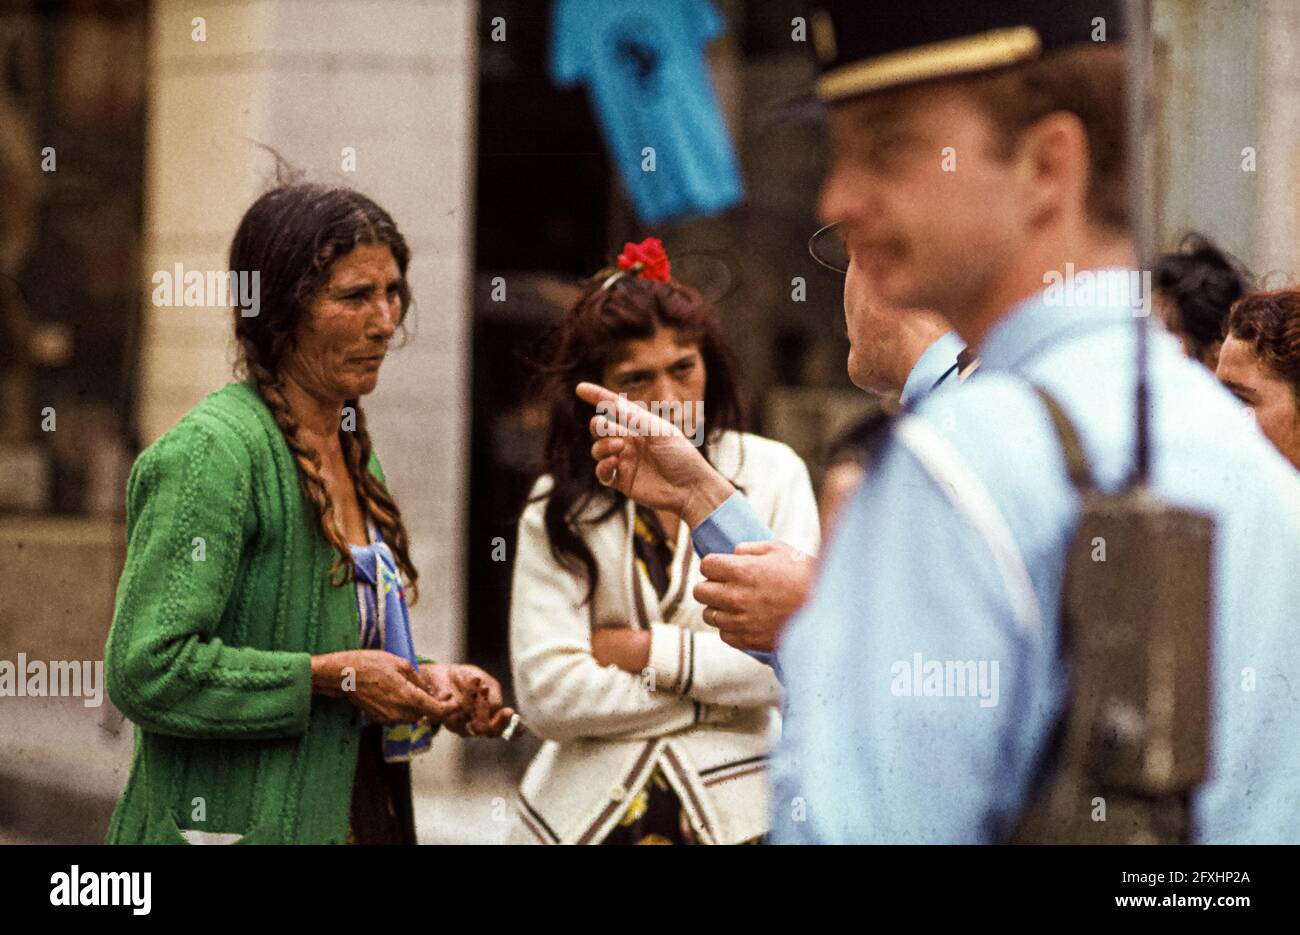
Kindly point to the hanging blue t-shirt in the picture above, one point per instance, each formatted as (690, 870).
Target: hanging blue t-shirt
(645, 69)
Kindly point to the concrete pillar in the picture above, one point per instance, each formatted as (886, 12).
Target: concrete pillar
(1209, 93)
(1277, 201)
(1228, 80)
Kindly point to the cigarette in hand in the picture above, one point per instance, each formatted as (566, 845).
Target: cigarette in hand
(509, 732)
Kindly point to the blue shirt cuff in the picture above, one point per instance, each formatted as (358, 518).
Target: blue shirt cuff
(729, 525)
(725, 528)
(768, 659)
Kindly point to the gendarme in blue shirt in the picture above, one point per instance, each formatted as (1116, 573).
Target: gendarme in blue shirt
(952, 553)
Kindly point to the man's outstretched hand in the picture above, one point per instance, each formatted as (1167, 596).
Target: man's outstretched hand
(648, 459)
(751, 594)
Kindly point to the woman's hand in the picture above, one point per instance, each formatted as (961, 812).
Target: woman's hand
(386, 687)
(479, 711)
(617, 646)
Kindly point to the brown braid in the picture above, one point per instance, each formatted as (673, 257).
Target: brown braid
(271, 389)
(377, 500)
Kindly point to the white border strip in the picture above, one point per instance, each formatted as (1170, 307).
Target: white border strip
(959, 483)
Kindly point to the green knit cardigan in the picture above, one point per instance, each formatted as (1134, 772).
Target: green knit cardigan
(224, 598)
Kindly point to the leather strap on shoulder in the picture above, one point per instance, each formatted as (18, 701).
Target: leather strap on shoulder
(1076, 461)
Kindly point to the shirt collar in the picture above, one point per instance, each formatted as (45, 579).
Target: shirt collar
(931, 367)
(1081, 301)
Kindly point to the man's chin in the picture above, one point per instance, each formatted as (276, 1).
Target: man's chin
(866, 381)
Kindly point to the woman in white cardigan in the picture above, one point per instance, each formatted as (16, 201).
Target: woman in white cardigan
(656, 731)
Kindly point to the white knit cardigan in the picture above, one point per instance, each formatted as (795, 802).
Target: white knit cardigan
(705, 712)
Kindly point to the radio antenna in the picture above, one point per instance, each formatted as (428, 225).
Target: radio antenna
(1140, 131)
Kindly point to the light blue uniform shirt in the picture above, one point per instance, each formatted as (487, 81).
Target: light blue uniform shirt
(919, 573)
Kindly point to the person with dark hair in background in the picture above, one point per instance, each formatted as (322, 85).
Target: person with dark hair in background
(1194, 288)
(260, 641)
(656, 731)
(1260, 364)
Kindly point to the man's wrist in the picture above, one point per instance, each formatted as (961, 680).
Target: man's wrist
(705, 496)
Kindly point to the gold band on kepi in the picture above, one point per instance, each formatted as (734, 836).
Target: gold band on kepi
(863, 48)
(985, 51)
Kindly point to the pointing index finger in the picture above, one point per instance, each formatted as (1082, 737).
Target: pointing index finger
(594, 393)
(617, 415)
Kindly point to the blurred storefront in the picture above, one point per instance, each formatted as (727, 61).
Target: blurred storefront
(72, 163)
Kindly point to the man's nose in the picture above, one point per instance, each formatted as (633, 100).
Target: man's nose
(843, 196)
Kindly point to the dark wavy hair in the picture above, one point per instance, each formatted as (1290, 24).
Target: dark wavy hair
(292, 235)
(1202, 281)
(587, 339)
(1270, 323)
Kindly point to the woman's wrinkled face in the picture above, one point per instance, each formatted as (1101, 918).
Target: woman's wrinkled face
(1270, 398)
(663, 371)
(341, 341)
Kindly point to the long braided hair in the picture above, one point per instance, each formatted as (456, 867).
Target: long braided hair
(291, 236)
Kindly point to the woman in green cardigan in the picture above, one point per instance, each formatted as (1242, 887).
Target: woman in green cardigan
(247, 659)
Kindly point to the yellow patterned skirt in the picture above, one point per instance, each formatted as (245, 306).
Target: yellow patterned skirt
(656, 816)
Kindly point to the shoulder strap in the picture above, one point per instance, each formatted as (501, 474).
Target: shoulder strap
(1076, 460)
(1048, 762)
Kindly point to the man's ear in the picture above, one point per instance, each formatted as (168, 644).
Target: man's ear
(1053, 155)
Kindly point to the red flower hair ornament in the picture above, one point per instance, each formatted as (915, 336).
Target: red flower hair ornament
(646, 259)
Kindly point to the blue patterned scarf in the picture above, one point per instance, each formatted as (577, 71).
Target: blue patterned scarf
(385, 624)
